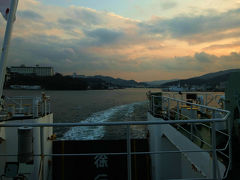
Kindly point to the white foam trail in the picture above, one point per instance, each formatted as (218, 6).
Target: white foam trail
(97, 132)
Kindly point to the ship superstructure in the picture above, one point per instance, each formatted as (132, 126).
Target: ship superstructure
(185, 140)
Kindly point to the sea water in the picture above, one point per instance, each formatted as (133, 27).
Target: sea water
(95, 106)
(126, 112)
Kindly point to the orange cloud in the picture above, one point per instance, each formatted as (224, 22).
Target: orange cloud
(80, 39)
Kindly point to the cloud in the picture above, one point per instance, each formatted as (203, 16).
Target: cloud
(194, 28)
(87, 41)
(104, 36)
(72, 56)
(28, 14)
(201, 62)
(68, 23)
(168, 5)
(223, 46)
(204, 57)
(85, 16)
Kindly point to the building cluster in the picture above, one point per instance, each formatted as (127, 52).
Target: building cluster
(75, 75)
(193, 88)
(31, 70)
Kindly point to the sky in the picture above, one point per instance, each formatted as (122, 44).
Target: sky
(144, 40)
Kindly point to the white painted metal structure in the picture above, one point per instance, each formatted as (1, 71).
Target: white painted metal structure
(180, 157)
(171, 151)
(37, 111)
(40, 166)
(4, 53)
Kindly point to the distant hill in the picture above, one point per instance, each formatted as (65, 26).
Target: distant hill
(210, 79)
(217, 74)
(160, 82)
(60, 82)
(119, 82)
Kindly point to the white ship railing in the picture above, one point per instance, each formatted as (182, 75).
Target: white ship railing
(209, 99)
(168, 103)
(27, 105)
(170, 108)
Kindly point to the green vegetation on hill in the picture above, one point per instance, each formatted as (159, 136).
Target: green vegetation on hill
(211, 81)
(120, 82)
(57, 82)
(60, 82)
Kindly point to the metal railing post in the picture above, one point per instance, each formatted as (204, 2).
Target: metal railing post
(42, 107)
(49, 106)
(182, 98)
(191, 126)
(177, 110)
(129, 161)
(42, 150)
(45, 107)
(36, 108)
(206, 96)
(20, 106)
(33, 107)
(214, 153)
(168, 108)
(230, 142)
(150, 104)
(153, 107)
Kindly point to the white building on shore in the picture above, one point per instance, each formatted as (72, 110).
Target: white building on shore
(32, 70)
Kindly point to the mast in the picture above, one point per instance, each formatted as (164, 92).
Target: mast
(6, 42)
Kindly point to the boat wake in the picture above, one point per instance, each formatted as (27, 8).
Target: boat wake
(117, 113)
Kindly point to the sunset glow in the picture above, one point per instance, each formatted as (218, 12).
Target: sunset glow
(130, 39)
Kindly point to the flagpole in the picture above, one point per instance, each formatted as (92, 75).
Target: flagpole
(6, 41)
